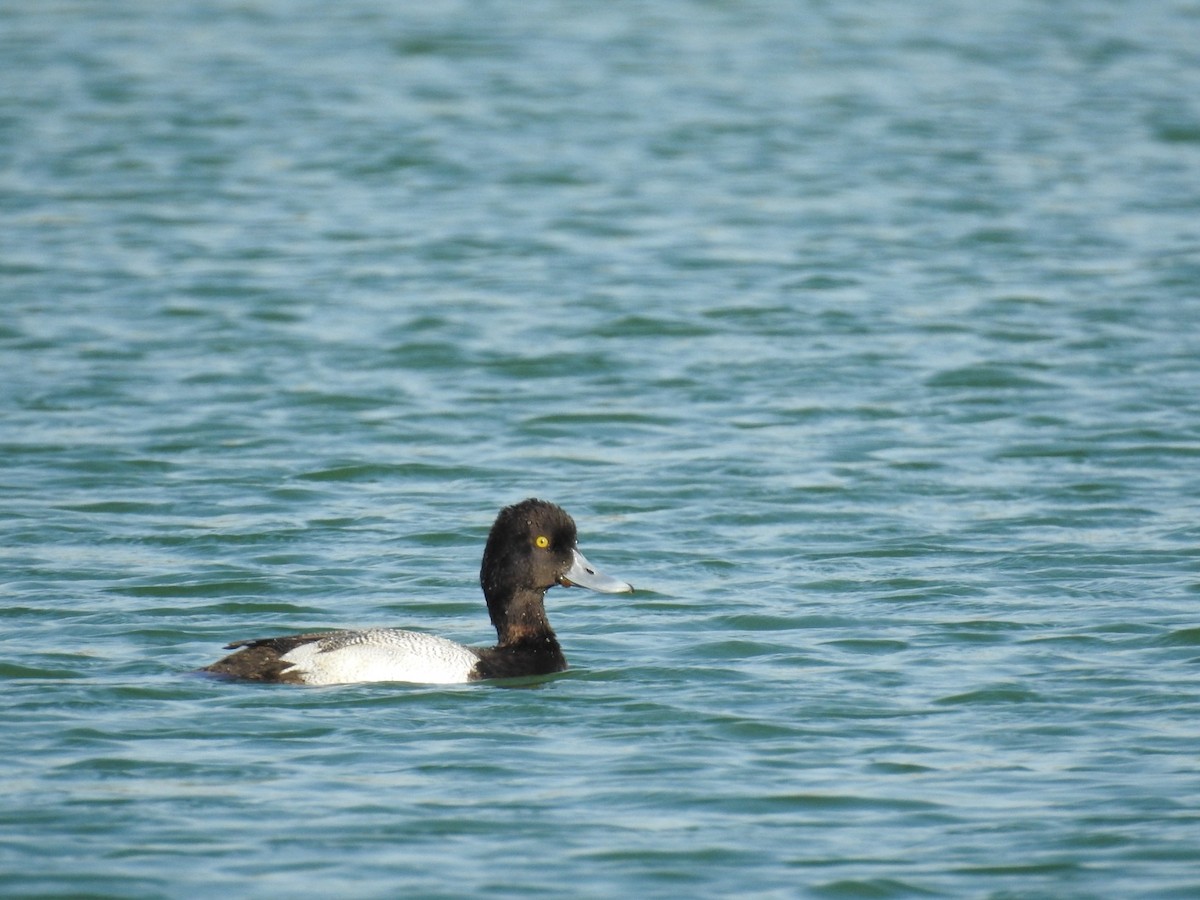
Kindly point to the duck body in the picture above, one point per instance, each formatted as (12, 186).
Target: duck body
(531, 548)
(348, 657)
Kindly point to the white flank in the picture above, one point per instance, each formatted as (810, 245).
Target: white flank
(382, 654)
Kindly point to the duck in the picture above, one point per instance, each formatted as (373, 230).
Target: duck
(532, 547)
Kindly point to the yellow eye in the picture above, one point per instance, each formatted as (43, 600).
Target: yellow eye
(542, 541)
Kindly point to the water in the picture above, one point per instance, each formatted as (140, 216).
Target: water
(863, 338)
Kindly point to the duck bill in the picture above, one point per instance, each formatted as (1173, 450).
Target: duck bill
(584, 574)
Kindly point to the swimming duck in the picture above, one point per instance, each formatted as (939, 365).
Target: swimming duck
(530, 548)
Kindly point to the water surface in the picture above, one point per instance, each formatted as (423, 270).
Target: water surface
(862, 338)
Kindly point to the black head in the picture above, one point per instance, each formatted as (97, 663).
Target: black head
(529, 549)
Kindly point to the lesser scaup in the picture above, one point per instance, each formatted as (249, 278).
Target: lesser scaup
(530, 548)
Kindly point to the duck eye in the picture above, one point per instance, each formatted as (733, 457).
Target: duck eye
(542, 541)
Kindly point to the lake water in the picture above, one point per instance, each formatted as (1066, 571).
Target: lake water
(864, 338)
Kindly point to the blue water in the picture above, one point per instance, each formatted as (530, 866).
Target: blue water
(864, 338)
